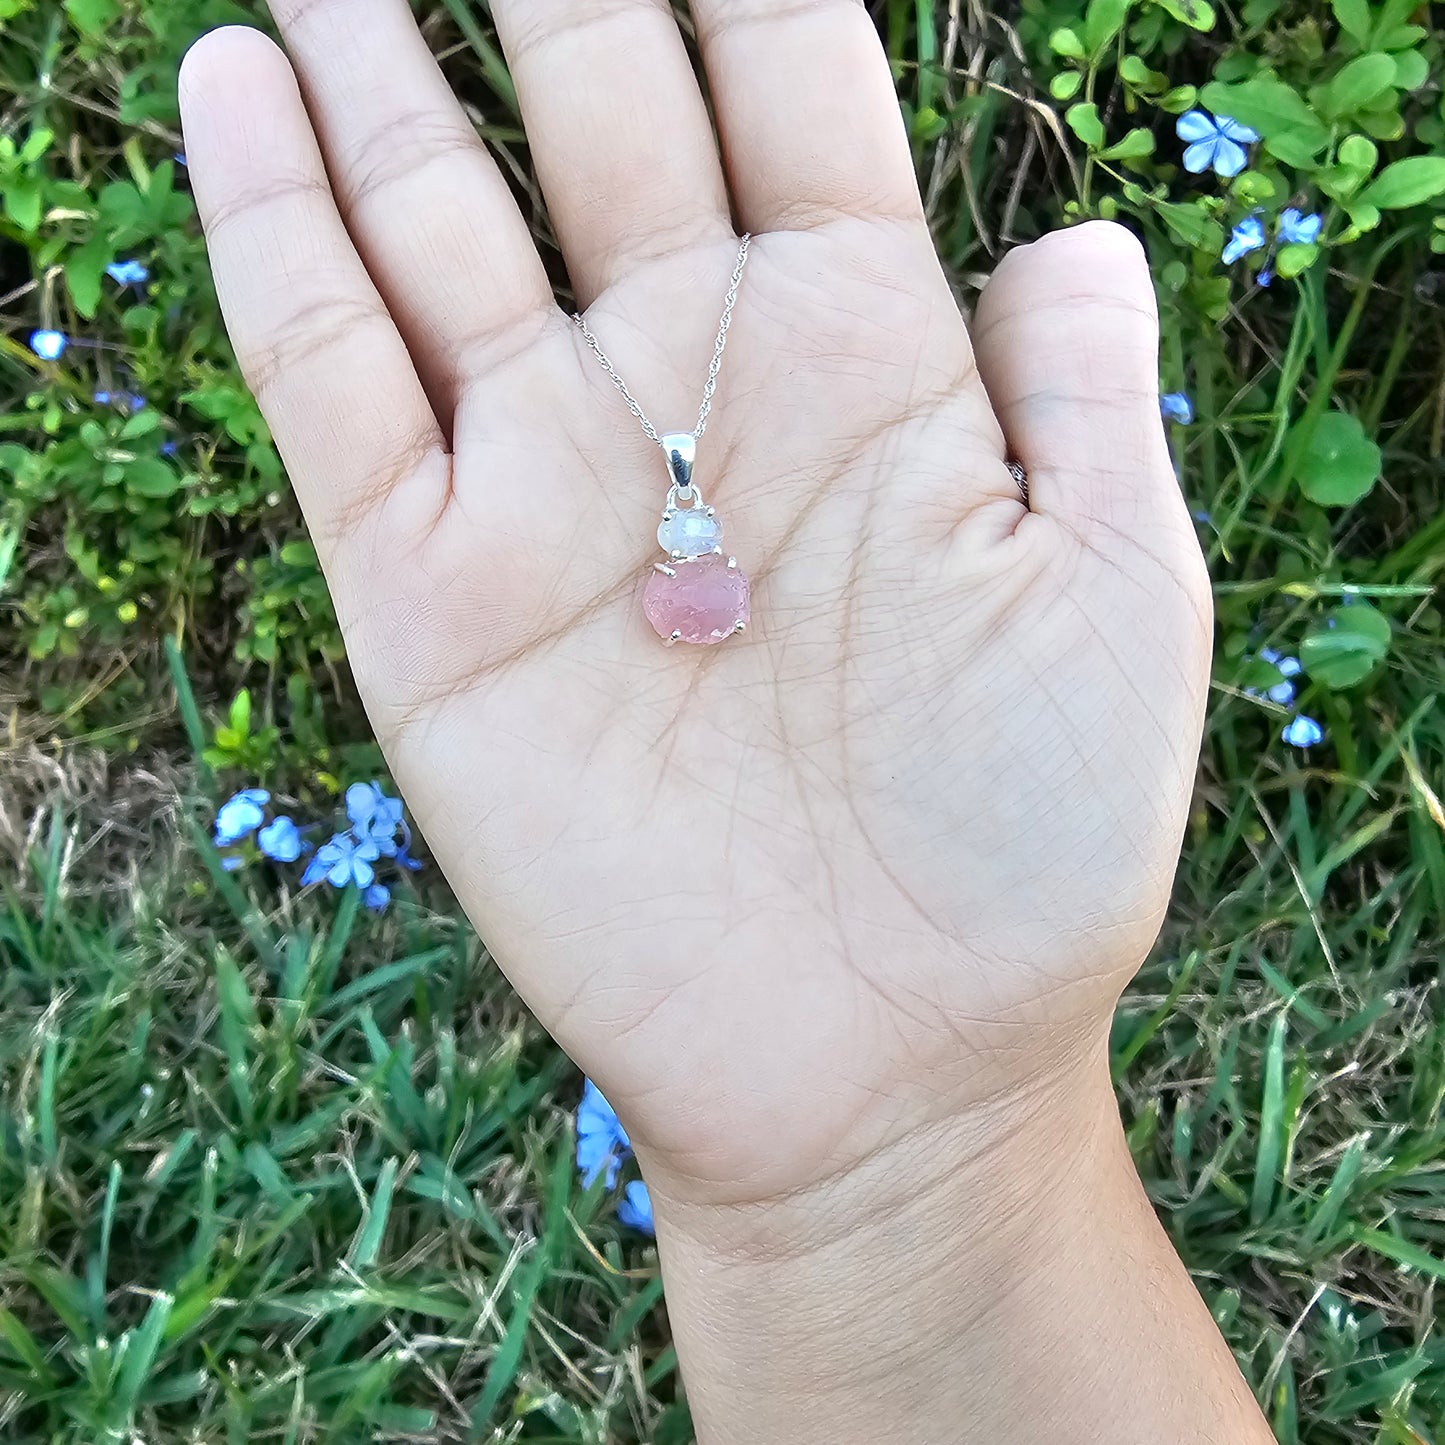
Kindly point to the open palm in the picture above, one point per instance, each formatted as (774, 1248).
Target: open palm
(894, 851)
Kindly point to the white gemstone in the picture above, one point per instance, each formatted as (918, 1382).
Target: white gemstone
(689, 532)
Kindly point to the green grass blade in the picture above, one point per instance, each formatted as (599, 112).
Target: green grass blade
(1269, 1156)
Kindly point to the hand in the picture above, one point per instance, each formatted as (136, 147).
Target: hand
(895, 852)
(836, 912)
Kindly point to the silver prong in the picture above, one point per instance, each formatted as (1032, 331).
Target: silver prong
(711, 511)
(676, 637)
(740, 625)
(664, 569)
(732, 562)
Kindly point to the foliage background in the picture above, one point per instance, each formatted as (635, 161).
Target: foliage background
(271, 1168)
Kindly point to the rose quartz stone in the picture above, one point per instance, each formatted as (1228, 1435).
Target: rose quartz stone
(704, 601)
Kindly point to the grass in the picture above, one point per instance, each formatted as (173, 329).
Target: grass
(274, 1170)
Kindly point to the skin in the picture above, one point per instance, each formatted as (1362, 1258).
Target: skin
(835, 913)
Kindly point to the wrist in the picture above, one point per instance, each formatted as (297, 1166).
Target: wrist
(999, 1279)
(837, 1311)
(1004, 1164)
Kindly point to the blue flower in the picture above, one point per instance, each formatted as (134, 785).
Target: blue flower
(602, 1142)
(1247, 236)
(403, 854)
(128, 273)
(377, 897)
(1214, 142)
(1176, 406)
(102, 398)
(634, 1209)
(1303, 732)
(1296, 229)
(1288, 668)
(374, 817)
(280, 841)
(49, 345)
(344, 860)
(240, 815)
(170, 448)
(1265, 276)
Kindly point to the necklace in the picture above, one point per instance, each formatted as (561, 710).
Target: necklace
(697, 595)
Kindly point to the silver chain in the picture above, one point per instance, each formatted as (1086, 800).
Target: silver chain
(710, 388)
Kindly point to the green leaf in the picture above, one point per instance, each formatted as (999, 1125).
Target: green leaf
(1290, 129)
(1066, 42)
(1406, 183)
(1083, 120)
(1292, 259)
(1359, 84)
(1359, 153)
(142, 424)
(151, 477)
(1197, 14)
(241, 712)
(1354, 19)
(1193, 224)
(1412, 70)
(23, 203)
(84, 272)
(90, 17)
(37, 143)
(1339, 463)
(1103, 20)
(1347, 646)
(299, 553)
(1135, 144)
(1065, 85)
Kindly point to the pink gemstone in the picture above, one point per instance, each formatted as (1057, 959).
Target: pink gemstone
(703, 601)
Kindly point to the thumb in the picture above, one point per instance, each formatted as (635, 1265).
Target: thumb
(1067, 339)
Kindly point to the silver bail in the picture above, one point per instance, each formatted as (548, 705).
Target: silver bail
(679, 448)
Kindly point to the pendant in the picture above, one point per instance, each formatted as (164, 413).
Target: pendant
(698, 595)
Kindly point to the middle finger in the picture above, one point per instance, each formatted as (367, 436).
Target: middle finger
(619, 132)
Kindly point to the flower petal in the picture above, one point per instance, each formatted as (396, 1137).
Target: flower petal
(361, 803)
(1234, 130)
(1195, 125)
(1200, 156)
(1303, 732)
(280, 840)
(634, 1209)
(49, 345)
(1229, 158)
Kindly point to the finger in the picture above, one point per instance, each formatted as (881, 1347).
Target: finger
(312, 334)
(1067, 341)
(809, 118)
(426, 204)
(619, 133)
